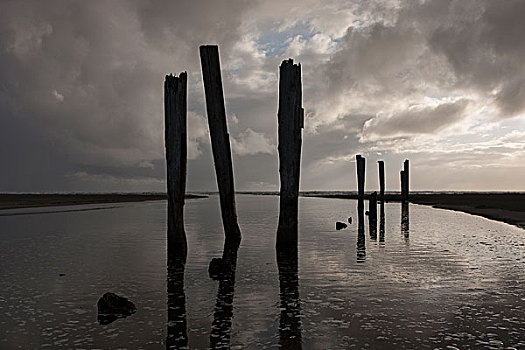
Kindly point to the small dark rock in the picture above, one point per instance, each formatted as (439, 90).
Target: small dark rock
(112, 307)
(340, 225)
(61, 274)
(216, 268)
(367, 212)
(350, 220)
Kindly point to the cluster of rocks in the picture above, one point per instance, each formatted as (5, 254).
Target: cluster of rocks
(341, 225)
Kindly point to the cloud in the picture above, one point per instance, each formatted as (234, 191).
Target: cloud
(416, 119)
(81, 86)
(250, 142)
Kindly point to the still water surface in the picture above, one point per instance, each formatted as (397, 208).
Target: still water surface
(443, 279)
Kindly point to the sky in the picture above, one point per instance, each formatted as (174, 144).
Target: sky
(439, 82)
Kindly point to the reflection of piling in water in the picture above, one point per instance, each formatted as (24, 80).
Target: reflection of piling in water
(404, 182)
(176, 150)
(223, 314)
(382, 222)
(360, 163)
(381, 180)
(372, 215)
(290, 117)
(290, 321)
(220, 139)
(177, 327)
(405, 223)
(361, 249)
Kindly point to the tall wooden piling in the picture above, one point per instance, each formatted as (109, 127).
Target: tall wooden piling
(406, 173)
(175, 103)
(402, 178)
(290, 117)
(360, 162)
(381, 165)
(220, 139)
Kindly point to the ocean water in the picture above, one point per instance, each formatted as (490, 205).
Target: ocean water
(437, 279)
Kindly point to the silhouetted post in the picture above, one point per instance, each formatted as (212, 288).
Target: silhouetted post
(176, 149)
(220, 139)
(372, 215)
(360, 162)
(403, 179)
(290, 117)
(405, 168)
(381, 165)
(404, 182)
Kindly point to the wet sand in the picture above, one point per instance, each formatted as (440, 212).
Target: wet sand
(505, 207)
(15, 201)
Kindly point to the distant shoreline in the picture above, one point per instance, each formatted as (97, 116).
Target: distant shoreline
(18, 201)
(508, 207)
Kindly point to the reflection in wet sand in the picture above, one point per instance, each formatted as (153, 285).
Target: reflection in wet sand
(405, 224)
(290, 321)
(361, 249)
(222, 316)
(177, 326)
(382, 222)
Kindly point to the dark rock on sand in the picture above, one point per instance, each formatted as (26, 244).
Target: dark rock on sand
(350, 220)
(340, 225)
(216, 268)
(112, 307)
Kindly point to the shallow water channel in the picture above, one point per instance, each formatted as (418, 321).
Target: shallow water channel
(439, 279)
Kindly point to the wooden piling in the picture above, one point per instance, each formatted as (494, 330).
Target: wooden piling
(360, 162)
(405, 168)
(402, 178)
(175, 102)
(290, 117)
(381, 165)
(220, 139)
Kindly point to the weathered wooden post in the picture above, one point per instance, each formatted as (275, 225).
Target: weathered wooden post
(381, 165)
(360, 162)
(372, 215)
(290, 117)
(404, 182)
(405, 168)
(176, 143)
(220, 139)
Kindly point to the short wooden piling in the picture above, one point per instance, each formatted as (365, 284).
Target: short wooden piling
(360, 162)
(381, 165)
(290, 117)
(175, 102)
(220, 139)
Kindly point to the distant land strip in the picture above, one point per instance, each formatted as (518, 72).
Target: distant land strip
(31, 200)
(508, 207)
